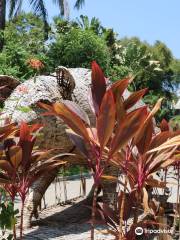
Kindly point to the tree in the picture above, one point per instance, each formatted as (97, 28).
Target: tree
(38, 7)
(79, 3)
(152, 67)
(175, 66)
(94, 24)
(24, 40)
(2, 21)
(78, 48)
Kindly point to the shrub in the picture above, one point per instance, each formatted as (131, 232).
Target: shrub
(24, 40)
(78, 48)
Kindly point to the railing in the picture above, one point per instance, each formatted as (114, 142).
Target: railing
(65, 188)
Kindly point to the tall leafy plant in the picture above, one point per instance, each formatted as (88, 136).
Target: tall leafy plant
(21, 165)
(111, 132)
(147, 153)
(121, 136)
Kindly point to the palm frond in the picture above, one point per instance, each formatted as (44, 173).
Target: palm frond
(40, 8)
(14, 7)
(63, 6)
(79, 4)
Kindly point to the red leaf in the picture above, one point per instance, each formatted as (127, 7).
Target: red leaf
(78, 141)
(4, 129)
(35, 127)
(6, 166)
(98, 86)
(71, 119)
(162, 137)
(120, 110)
(119, 87)
(145, 140)
(127, 129)
(134, 98)
(75, 108)
(26, 141)
(164, 126)
(45, 106)
(24, 132)
(146, 126)
(106, 119)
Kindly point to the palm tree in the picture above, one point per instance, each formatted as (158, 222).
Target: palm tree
(79, 4)
(38, 7)
(94, 24)
(2, 21)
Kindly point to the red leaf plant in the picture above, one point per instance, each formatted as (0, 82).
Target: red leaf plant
(147, 153)
(21, 165)
(121, 136)
(113, 129)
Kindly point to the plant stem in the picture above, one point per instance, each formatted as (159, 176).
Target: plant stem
(93, 215)
(165, 178)
(21, 223)
(136, 208)
(14, 232)
(178, 186)
(122, 211)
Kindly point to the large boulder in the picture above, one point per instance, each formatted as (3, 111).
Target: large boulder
(21, 105)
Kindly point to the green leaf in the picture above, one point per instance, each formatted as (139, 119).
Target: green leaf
(24, 109)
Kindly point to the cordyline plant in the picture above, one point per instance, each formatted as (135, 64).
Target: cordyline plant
(112, 131)
(21, 165)
(147, 153)
(121, 136)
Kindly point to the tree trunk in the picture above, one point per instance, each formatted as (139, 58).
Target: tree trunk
(109, 187)
(2, 22)
(34, 199)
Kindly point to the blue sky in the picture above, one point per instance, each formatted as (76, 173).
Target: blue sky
(150, 20)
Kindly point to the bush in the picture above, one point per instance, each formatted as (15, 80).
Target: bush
(78, 48)
(24, 40)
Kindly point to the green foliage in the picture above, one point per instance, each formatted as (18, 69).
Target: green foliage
(78, 48)
(73, 170)
(23, 40)
(175, 66)
(94, 24)
(175, 122)
(162, 53)
(151, 67)
(7, 215)
(77, 43)
(61, 26)
(24, 109)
